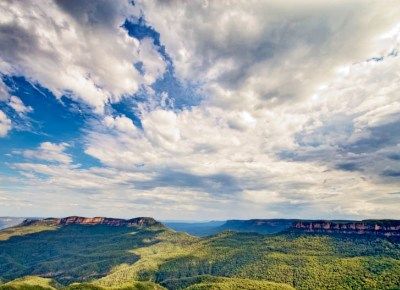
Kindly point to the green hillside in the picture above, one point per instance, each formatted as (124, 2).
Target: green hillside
(108, 257)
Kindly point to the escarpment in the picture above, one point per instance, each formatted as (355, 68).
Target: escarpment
(375, 227)
(78, 220)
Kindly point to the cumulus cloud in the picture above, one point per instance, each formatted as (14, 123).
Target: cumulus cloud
(5, 124)
(300, 113)
(76, 48)
(13, 101)
(51, 152)
(260, 53)
(311, 152)
(19, 106)
(4, 94)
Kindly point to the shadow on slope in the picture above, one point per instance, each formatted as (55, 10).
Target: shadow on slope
(72, 253)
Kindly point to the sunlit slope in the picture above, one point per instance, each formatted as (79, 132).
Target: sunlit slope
(31, 283)
(116, 257)
(214, 282)
(38, 283)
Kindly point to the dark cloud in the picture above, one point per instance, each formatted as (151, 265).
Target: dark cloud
(220, 183)
(351, 166)
(394, 156)
(391, 173)
(16, 42)
(329, 145)
(99, 12)
(380, 137)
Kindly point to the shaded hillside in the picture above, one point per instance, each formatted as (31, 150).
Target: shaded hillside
(71, 252)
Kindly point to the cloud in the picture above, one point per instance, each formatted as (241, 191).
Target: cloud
(4, 94)
(5, 124)
(340, 102)
(19, 106)
(264, 53)
(299, 115)
(13, 101)
(120, 123)
(391, 173)
(51, 152)
(82, 49)
(348, 166)
(214, 184)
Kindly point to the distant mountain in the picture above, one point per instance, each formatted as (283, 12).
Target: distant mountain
(200, 229)
(273, 226)
(6, 222)
(261, 226)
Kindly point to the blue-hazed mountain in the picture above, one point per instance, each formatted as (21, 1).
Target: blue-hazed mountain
(273, 226)
(6, 222)
(200, 229)
(262, 226)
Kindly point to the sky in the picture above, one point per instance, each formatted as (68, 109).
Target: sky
(200, 110)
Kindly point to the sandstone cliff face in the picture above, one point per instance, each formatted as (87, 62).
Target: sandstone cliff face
(42, 222)
(135, 222)
(77, 220)
(379, 227)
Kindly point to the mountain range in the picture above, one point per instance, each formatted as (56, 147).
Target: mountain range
(142, 253)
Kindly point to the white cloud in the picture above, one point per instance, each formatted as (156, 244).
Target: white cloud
(120, 123)
(76, 48)
(4, 94)
(13, 101)
(19, 106)
(51, 152)
(295, 121)
(246, 138)
(262, 53)
(5, 124)
(161, 129)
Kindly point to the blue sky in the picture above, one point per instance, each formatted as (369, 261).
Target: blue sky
(200, 110)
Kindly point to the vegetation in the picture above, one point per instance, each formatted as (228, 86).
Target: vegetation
(31, 283)
(21, 231)
(214, 282)
(105, 257)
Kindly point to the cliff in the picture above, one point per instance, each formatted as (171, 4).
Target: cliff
(138, 222)
(374, 227)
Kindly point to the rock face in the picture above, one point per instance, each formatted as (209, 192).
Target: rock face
(42, 222)
(375, 227)
(77, 220)
(135, 222)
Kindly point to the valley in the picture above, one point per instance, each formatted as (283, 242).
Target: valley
(142, 253)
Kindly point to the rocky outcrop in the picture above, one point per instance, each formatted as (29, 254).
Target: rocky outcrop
(41, 222)
(138, 222)
(135, 222)
(375, 227)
